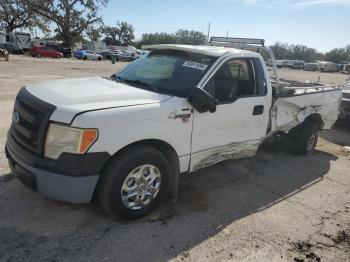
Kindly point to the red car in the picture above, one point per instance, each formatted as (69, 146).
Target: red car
(39, 51)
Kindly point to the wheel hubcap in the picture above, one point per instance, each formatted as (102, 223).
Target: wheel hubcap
(141, 186)
(311, 143)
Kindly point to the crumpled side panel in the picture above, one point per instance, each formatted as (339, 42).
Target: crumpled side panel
(231, 151)
(292, 111)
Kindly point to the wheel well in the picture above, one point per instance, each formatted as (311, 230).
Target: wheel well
(317, 118)
(169, 152)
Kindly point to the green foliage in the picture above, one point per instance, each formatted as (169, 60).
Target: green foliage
(179, 37)
(121, 34)
(338, 55)
(72, 17)
(93, 33)
(296, 52)
(16, 14)
(157, 38)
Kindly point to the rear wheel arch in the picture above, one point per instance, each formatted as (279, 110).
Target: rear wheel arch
(315, 118)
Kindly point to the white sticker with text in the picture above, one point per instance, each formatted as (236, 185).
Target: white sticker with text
(195, 65)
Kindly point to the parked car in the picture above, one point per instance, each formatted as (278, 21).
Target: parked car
(123, 56)
(12, 49)
(126, 138)
(87, 55)
(345, 108)
(39, 51)
(67, 52)
(108, 54)
(310, 67)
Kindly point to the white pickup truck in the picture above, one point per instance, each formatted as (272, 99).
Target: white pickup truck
(125, 139)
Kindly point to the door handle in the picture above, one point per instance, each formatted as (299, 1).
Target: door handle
(258, 110)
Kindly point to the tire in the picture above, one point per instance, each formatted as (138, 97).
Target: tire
(304, 138)
(99, 58)
(85, 58)
(38, 55)
(58, 56)
(122, 173)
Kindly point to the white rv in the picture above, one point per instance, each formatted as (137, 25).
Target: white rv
(20, 39)
(327, 66)
(96, 46)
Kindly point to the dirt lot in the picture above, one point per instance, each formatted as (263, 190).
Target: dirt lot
(273, 207)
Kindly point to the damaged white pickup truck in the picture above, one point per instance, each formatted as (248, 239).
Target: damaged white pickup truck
(125, 139)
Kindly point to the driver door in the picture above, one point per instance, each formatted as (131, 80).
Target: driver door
(240, 122)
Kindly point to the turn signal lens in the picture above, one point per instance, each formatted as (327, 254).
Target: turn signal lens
(89, 136)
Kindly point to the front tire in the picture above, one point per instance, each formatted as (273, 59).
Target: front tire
(304, 138)
(133, 183)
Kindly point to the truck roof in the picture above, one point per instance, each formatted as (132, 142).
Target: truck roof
(202, 49)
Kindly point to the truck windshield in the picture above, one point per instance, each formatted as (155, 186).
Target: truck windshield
(172, 72)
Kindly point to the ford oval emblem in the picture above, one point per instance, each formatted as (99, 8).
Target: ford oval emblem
(15, 117)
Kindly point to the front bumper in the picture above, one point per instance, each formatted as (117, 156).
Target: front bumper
(60, 179)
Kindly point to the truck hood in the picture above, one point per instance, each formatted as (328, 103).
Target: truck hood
(73, 96)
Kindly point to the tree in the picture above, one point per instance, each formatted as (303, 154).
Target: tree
(121, 34)
(295, 52)
(190, 37)
(181, 36)
(338, 55)
(16, 14)
(93, 33)
(72, 17)
(157, 38)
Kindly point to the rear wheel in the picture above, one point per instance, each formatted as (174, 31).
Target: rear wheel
(38, 55)
(133, 184)
(99, 58)
(304, 138)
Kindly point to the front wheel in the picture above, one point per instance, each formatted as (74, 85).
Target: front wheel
(133, 183)
(304, 138)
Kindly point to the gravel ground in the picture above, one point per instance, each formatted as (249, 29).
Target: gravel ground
(272, 207)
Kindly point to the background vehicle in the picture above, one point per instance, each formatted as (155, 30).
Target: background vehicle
(177, 110)
(295, 64)
(124, 56)
(327, 67)
(39, 51)
(96, 46)
(108, 54)
(345, 108)
(65, 51)
(87, 55)
(20, 39)
(345, 68)
(310, 67)
(12, 49)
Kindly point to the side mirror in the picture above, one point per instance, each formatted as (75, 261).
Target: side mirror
(202, 101)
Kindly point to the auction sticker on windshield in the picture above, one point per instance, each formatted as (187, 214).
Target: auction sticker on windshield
(195, 65)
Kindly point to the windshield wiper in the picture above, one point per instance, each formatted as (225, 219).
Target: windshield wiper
(117, 78)
(140, 83)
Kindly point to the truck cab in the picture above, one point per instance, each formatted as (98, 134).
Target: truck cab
(126, 138)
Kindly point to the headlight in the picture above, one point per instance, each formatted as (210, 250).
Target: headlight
(67, 139)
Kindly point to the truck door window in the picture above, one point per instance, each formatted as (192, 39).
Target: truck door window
(236, 78)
